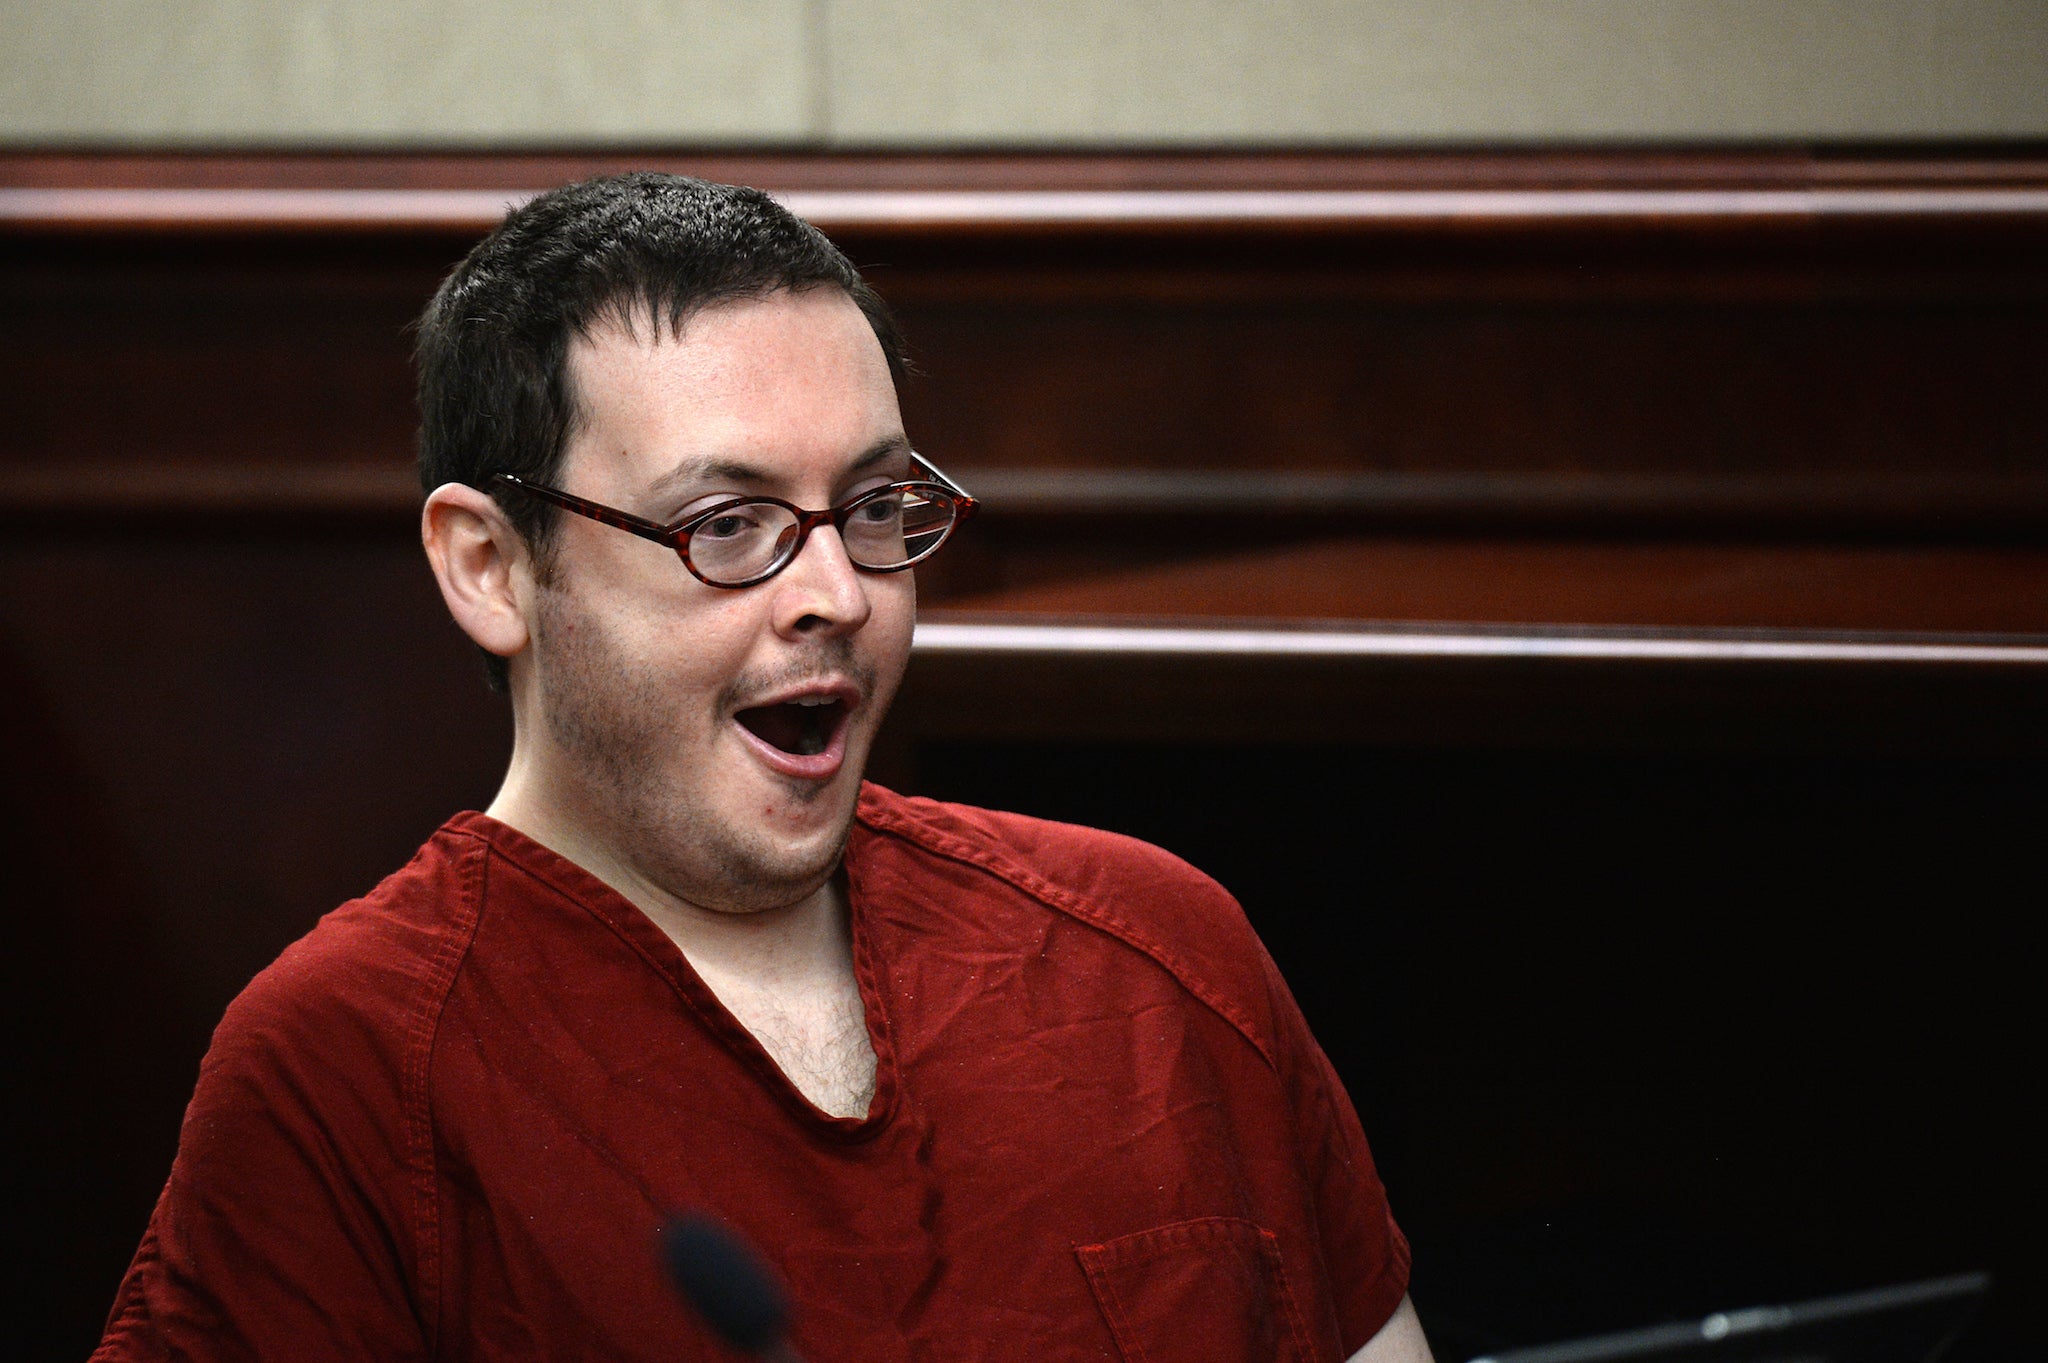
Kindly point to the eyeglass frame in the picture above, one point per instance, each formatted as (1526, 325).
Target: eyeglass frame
(676, 534)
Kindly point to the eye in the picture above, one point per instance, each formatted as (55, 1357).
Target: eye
(731, 524)
(881, 510)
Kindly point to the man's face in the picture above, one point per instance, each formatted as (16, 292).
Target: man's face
(712, 740)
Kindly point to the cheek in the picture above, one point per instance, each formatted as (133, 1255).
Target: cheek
(894, 603)
(889, 629)
(667, 669)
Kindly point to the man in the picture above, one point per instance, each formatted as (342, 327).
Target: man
(979, 1087)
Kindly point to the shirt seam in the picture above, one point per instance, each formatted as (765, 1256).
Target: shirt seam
(890, 824)
(422, 1031)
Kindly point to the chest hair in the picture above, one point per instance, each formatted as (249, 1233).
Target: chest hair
(819, 1042)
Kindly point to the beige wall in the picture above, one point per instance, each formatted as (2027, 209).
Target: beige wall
(1076, 72)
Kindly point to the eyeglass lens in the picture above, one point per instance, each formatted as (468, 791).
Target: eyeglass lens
(887, 529)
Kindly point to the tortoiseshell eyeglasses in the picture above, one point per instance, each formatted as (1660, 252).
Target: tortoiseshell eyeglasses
(744, 540)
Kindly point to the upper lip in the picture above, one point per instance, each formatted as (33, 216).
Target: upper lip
(817, 689)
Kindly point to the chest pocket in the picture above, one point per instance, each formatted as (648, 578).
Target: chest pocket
(1205, 1291)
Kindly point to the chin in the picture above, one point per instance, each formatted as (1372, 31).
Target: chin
(764, 871)
(758, 850)
(810, 823)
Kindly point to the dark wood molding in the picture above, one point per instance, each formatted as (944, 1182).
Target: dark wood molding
(1234, 192)
(202, 495)
(991, 636)
(1560, 582)
(2011, 164)
(980, 679)
(1203, 506)
(1208, 501)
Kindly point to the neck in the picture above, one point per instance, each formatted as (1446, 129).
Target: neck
(804, 939)
(783, 969)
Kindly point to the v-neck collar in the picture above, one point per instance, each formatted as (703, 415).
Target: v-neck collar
(645, 938)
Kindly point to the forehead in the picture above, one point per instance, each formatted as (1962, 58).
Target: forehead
(782, 383)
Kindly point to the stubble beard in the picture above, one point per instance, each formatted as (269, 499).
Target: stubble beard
(617, 725)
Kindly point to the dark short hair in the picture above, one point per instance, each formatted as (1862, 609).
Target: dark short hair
(493, 345)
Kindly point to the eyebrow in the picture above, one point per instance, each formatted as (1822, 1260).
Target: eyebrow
(733, 471)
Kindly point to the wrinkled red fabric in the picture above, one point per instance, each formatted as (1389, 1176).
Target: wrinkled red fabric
(449, 1122)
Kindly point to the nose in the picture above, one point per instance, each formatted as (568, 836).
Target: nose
(821, 592)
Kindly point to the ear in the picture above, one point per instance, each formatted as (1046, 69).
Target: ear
(482, 564)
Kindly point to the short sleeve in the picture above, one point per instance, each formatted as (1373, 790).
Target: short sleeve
(1365, 1254)
(283, 1231)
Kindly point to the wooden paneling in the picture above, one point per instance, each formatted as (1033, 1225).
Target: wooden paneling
(1917, 588)
(1712, 346)
(225, 363)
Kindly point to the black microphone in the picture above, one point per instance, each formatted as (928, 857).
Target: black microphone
(731, 1288)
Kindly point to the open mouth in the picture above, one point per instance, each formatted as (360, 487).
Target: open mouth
(803, 727)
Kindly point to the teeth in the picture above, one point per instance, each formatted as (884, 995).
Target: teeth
(810, 701)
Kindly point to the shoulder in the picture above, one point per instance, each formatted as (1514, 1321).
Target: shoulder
(299, 1209)
(363, 985)
(1144, 896)
(1086, 861)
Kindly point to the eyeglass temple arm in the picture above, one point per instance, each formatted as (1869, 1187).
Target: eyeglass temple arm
(569, 501)
(968, 504)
